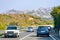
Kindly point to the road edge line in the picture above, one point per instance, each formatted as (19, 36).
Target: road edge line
(52, 37)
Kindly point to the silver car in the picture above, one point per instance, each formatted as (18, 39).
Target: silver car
(30, 29)
(12, 31)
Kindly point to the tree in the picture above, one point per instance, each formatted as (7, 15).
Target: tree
(56, 15)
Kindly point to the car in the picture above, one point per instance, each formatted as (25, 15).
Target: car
(11, 30)
(42, 30)
(30, 29)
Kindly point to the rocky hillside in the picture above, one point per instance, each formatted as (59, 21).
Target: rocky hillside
(41, 12)
(22, 20)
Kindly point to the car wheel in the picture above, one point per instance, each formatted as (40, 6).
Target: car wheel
(37, 35)
(48, 35)
(5, 36)
(18, 35)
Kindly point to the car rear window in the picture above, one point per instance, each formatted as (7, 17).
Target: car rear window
(42, 28)
(12, 28)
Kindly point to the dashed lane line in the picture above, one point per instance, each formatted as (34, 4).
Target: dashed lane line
(26, 36)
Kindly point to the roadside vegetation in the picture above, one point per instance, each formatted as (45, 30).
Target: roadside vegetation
(1, 34)
(22, 20)
(56, 15)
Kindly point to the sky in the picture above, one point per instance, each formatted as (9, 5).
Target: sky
(27, 4)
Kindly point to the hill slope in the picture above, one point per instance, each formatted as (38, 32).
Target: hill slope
(22, 20)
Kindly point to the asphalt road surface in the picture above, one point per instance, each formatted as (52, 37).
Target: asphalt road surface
(28, 36)
(32, 36)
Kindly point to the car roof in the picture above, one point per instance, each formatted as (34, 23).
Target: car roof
(12, 26)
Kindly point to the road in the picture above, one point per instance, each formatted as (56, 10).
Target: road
(28, 36)
(33, 36)
(12, 38)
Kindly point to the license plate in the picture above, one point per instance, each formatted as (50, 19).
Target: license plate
(10, 34)
(42, 31)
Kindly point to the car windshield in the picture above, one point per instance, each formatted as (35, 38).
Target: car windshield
(12, 28)
(42, 28)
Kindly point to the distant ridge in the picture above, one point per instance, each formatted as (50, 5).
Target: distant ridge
(41, 12)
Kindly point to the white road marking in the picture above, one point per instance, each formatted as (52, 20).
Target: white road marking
(25, 36)
(52, 37)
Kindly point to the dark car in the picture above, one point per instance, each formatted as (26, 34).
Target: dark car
(42, 30)
(30, 29)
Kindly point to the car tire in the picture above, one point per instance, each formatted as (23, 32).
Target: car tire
(37, 35)
(5, 36)
(18, 35)
(48, 35)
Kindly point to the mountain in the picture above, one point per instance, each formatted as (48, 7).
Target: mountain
(41, 12)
